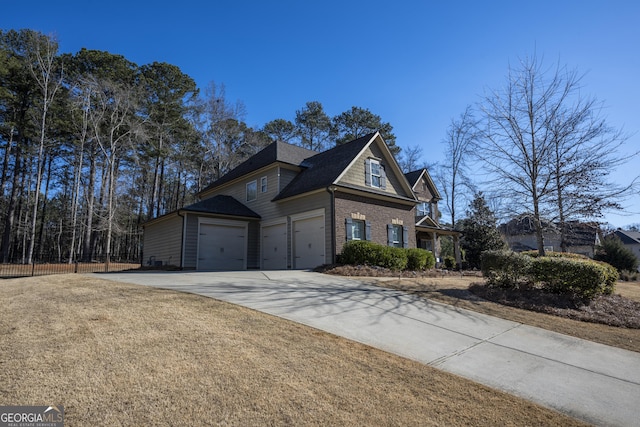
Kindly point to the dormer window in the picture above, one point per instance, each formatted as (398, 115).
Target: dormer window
(374, 174)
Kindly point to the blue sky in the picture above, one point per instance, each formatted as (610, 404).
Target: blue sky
(417, 64)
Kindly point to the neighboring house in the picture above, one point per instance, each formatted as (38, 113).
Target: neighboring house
(631, 240)
(287, 207)
(581, 238)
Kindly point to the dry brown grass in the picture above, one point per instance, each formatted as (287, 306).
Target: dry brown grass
(117, 354)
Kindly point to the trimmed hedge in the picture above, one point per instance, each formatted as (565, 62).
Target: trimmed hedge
(420, 259)
(535, 254)
(505, 269)
(575, 275)
(361, 252)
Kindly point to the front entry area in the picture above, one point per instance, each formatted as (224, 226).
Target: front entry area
(222, 245)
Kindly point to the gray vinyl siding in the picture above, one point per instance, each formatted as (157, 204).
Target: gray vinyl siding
(286, 176)
(355, 174)
(191, 242)
(262, 205)
(163, 241)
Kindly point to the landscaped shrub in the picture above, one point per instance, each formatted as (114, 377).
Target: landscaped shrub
(505, 269)
(449, 262)
(360, 252)
(629, 276)
(419, 259)
(392, 257)
(576, 275)
(535, 254)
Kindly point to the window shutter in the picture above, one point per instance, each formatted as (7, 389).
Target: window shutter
(383, 178)
(367, 172)
(405, 236)
(367, 230)
(347, 223)
(389, 235)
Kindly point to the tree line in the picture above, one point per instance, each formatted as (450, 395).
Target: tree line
(92, 145)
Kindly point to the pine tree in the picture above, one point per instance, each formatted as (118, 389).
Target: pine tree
(614, 252)
(479, 231)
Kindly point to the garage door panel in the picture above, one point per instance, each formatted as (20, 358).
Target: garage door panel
(309, 238)
(274, 247)
(221, 247)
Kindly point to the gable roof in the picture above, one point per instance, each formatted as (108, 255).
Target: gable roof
(322, 169)
(414, 176)
(326, 168)
(221, 205)
(628, 237)
(274, 152)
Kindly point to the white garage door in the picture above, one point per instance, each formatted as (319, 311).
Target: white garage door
(274, 247)
(221, 247)
(308, 242)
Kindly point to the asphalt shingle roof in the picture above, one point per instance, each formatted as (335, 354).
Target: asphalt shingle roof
(274, 152)
(413, 176)
(628, 237)
(221, 205)
(322, 169)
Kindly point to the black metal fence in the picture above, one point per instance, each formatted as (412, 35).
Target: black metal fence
(45, 267)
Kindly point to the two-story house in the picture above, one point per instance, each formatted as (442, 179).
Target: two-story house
(287, 207)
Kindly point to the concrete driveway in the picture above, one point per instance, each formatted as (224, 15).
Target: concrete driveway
(593, 382)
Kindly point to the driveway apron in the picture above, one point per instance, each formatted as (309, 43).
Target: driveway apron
(589, 381)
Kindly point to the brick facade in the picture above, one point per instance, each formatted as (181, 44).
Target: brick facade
(378, 213)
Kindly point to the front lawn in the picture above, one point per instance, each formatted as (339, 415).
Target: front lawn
(118, 354)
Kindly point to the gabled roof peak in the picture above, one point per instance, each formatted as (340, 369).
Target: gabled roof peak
(275, 152)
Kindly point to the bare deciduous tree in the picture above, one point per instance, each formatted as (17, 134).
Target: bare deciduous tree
(546, 147)
(453, 173)
(410, 158)
(43, 64)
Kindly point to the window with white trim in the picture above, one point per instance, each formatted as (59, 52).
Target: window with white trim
(396, 236)
(357, 230)
(252, 191)
(376, 173)
(263, 184)
(423, 209)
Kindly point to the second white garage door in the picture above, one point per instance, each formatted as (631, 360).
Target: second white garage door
(308, 242)
(222, 247)
(274, 247)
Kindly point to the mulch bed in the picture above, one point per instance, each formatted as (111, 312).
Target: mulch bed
(612, 310)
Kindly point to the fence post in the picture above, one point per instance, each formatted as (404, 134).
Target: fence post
(33, 268)
(75, 267)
